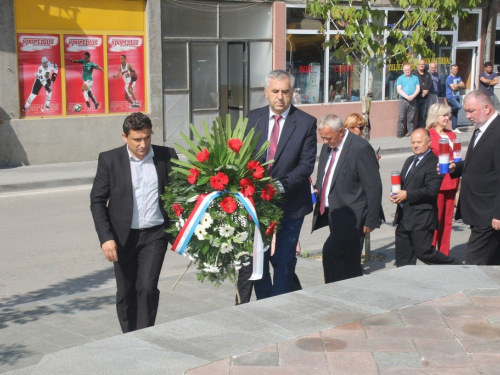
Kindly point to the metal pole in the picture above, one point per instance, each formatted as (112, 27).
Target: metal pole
(368, 256)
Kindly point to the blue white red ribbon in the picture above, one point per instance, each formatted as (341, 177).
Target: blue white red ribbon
(313, 194)
(201, 206)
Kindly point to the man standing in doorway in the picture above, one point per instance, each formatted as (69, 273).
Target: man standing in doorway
(487, 80)
(425, 80)
(436, 86)
(453, 84)
(130, 219)
(408, 87)
(293, 147)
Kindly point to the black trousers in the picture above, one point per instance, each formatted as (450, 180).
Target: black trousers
(483, 248)
(417, 244)
(245, 286)
(341, 259)
(137, 272)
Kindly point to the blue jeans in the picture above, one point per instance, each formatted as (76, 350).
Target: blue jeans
(283, 261)
(455, 107)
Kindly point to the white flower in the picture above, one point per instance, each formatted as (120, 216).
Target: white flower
(206, 220)
(181, 221)
(226, 248)
(226, 230)
(246, 263)
(200, 232)
(242, 236)
(210, 268)
(240, 254)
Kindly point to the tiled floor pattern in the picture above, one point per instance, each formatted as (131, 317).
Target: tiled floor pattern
(455, 335)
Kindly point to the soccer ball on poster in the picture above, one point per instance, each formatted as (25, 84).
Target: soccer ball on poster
(77, 107)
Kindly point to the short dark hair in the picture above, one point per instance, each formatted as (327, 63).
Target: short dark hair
(87, 54)
(487, 63)
(453, 65)
(123, 56)
(137, 121)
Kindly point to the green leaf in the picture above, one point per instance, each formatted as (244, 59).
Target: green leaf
(182, 163)
(190, 143)
(186, 153)
(203, 180)
(180, 170)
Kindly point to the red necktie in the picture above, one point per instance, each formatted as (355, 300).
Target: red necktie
(324, 192)
(275, 134)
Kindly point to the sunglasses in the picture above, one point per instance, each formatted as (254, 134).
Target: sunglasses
(361, 128)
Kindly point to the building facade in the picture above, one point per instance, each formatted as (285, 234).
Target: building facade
(191, 61)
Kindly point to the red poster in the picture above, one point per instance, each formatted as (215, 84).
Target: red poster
(84, 62)
(39, 84)
(126, 75)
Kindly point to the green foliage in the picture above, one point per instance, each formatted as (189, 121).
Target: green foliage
(366, 40)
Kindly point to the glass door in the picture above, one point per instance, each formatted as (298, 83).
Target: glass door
(237, 68)
(467, 70)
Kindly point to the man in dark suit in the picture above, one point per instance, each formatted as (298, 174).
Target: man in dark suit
(349, 197)
(130, 219)
(479, 202)
(416, 214)
(292, 136)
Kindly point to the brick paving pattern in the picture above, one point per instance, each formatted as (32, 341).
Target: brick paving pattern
(455, 335)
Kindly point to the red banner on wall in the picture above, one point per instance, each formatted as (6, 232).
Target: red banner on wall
(38, 65)
(126, 74)
(84, 60)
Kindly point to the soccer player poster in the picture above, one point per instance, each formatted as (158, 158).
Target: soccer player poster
(84, 61)
(39, 85)
(126, 74)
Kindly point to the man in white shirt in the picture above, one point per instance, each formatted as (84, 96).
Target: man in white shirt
(130, 219)
(349, 197)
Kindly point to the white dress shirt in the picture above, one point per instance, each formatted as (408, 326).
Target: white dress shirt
(483, 127)
(337, 157)
(146, 212)
(281, 122)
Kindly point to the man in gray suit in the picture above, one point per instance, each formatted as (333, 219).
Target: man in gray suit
(349, 197)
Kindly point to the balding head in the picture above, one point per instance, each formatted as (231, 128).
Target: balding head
(420, 141)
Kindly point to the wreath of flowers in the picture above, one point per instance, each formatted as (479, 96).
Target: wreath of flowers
(225, 161)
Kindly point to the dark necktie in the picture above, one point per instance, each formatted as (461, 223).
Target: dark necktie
(412, 166)
(324, 192)
(275, 134)
(474, 137)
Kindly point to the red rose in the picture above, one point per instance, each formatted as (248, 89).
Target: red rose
(219, 181)
(270, 229)
(268, 192)
(177, 209)
(193, 176)
(228, 205)
(235, 144)
(203, 155)
(258, 170)
(247, 188)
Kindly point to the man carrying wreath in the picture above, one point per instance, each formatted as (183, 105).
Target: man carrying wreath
(293, 147)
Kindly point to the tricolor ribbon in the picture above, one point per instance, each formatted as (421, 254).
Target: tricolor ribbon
(201, 206)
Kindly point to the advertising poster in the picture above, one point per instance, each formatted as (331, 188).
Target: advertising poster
(39, 84)
(126, 74)
(84, 62)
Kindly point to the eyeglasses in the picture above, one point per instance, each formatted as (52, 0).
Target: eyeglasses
(361, 128)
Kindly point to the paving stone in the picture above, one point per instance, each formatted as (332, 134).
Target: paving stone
(352, 363)
(257, 359)
(493, 272)
(485, 301)
(393, 359)
(481, 346)
(269, 348)
(483, 292)
(472, 328)
(254, 370)
(221, 367)
(437, 353)
(303, 351)
(395, 344)
(422, 315)
(470, 311)
(352, 330)
(487, 363)
(454, 300)
(390, 319)
(412, 332)
(428, 371)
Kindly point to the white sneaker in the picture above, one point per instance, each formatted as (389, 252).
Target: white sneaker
(457, 131)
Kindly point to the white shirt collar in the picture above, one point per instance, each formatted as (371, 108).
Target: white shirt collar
(487, 123)
(149, 155)
(284, 114)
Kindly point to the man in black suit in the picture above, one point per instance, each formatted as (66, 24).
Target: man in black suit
(130, 219)
(416, 214)
(479, 203)
(292, 136)
(349, 197)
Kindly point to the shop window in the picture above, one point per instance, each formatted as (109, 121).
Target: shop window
(260, 62)
(297, 19)
(344, 82)
(188, 20)
(244, 20)
(205, 93)
(305, 61)
(467, 28)
(442, 60)
(175, 66)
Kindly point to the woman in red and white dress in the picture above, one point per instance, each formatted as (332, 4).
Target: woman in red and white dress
(438, 118)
